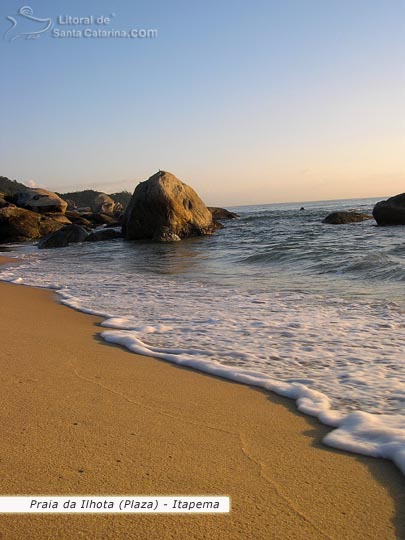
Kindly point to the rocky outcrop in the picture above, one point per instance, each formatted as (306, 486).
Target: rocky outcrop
(18, 224)
(391, 211)
(104, 204)
(341, 218)
(164, 207)
(41, 201)
(104, 234)
(222, 213)
(65, 236)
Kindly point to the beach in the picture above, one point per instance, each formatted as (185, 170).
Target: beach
(82, 417)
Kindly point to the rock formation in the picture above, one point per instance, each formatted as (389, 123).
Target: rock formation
(222, 213)
(67, 235)
(40, 200)
(341, 218)
(18, 224)
(164, 208)
(391, 211)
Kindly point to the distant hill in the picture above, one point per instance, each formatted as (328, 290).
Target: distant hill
(81, 198)
(88, 196)
(9, 187)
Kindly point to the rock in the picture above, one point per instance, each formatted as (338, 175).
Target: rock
(162, 207)
(100, 219)
(65, 236)
(78, 219)
(61, 218)
(341, 218)
(391, 211)
(18, 224)
(71, 205)
(222, 213)
(41, 201)
(4, 203)
(166, 235)
(104, 234)
(103, 204)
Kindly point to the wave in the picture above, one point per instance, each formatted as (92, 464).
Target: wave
(379, 266)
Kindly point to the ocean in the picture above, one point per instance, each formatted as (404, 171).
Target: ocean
(276, 299)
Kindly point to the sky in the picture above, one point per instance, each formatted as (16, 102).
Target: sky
(249, 102)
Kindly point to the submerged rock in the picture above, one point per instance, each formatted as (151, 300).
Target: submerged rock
(163, 208)
(391, 211)
(222, 213)
(18, 224)
(341, 218)
(104, 234)
(67, 235)
(40, 200)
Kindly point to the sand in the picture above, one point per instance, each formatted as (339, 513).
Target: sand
(82, 417)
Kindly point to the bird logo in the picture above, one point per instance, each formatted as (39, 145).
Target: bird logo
(29, 27)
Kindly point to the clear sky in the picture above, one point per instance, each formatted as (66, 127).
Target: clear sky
(249, 101)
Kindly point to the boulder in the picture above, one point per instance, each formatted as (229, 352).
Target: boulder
(222, 213)
(61, 218)
(18, 224)
(103, 204)
(78, 219)
(104, 234)
(40, 200)
(341, 218)
(391, 211)
(100, 219)
(164, 207)
(67, 235)
(71, 205)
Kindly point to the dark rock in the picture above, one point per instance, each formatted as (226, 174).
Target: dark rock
(391, 211)
(222, 213)
(100, 219)
(341, 218)
(41, 201)
(65, 236)
(104, 234)
(162, 207)
(4, 203)
(18, 224)
(78, 219)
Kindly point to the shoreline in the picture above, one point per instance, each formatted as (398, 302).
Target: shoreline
(151, 427)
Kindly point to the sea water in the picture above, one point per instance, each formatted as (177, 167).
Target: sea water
(276, 299)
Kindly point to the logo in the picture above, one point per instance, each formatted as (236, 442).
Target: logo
(25, 25)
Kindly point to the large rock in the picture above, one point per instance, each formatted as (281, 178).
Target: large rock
(18, 224)
(163, 208)
(104, 204)
(343, 217)
(391, 211)
(41, 201)
(65, 236)
(222, 213)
